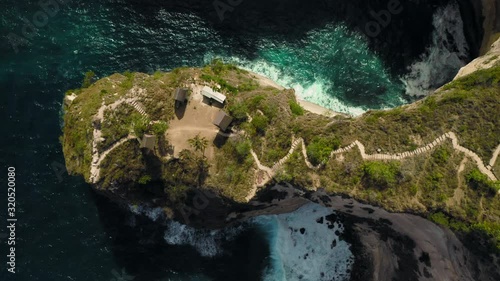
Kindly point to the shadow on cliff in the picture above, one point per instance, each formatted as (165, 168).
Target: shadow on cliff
(140, 249)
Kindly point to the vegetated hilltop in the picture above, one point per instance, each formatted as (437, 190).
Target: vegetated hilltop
(414, 165)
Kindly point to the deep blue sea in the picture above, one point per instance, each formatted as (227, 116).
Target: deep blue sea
(65, 232)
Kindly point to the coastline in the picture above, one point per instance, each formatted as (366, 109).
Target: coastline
(307, 105)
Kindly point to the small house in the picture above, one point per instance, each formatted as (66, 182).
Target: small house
(222, 120)
(180, 97)
(213, 95)
(148, 142)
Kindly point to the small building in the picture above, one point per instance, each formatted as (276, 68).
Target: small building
(222, 120)
(180, 97)
(213, 95)
(148, 142)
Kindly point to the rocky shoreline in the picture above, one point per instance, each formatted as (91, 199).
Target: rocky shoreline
(386, 246)
(399, 246)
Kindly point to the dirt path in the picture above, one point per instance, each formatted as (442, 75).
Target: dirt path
(95, 168)
(200, 129)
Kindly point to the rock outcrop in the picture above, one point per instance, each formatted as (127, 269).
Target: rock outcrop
(490, 59)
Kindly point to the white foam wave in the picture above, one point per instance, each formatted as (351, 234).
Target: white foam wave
(208, 243)
(303, 248)
(313, 92)
(443, 58)
(153, 213)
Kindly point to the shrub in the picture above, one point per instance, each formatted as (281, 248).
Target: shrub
(157, 75)
(159, 128)
(242, 150)
(238, 111)
(260, 123)
(129, 80)
(296, 108)
(480, 182)
(440, 218)
(441, 155)
(270, 110)
(492, 230)
(88, 79)
(255, 102)
(283, 176)
(380, 174)
(144, 179)
(318, 151)
(140, 127)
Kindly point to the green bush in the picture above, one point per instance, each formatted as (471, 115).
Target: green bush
(243, 149)
(260, 123)
(380, 174)
(157, 75)
(492, 230)
(238, 111)
(480, 182)
(141, 126)
(255, 102)
(270, 110)
(318, 151)
(440, 218)
(129, 80)
(143, 180)
(441, 155)
(489, 231)
(88, 79)
(159, 128)
(296, 108)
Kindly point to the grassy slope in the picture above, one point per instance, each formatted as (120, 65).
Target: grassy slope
(427, 184)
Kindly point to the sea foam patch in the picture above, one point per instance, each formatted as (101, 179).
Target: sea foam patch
(208, 243)
(305, 245)
(445, 56)
(333, 68)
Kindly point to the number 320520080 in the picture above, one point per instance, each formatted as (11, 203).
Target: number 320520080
(11, 191)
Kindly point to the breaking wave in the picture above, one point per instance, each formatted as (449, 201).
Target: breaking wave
(442, 60)
(208, 243)
(332, 67)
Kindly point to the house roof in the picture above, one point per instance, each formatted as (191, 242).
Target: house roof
(180, 94)
(148, 141)
(210, 93)
(222, 120)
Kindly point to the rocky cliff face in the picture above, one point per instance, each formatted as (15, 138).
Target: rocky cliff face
(490, 11)
(490, 59)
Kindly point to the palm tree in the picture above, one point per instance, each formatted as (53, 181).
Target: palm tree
(199, 143)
